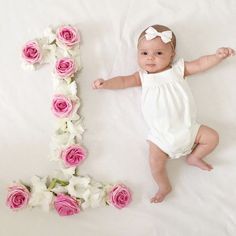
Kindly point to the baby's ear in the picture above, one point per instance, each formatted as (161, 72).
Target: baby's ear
(173, 54)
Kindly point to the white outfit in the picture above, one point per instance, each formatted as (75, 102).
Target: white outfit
(169, 110)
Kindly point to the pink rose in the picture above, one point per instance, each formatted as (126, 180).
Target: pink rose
(68, 35)
(61, 106)
(18, 196)
(73, 155)
(119, 196)
(66, 205)
(65, 67)
(31, 52)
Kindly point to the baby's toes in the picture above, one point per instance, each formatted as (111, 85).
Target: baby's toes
(157, 198)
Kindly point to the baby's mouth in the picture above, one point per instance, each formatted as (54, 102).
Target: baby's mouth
(151, 65)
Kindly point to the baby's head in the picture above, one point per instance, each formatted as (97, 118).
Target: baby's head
(156, 48)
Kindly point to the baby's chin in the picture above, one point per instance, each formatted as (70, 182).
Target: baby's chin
(154, 69)
(150, 69)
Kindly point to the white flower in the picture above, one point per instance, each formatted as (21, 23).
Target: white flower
(59, 174)
(69, 52)
(97, 196)
(75, 52)
(75, 129)
(27, 66)
(61, 138)
(62, 86)
(40, 196)
(68, 172)
(67, 130)
(49, 53)
(73, 88)
(93, 194)
(59, 189)
(61, 125)
(79, 187)
(49, 34)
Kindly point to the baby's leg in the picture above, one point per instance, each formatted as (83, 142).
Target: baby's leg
(158, 159)
(207, 139)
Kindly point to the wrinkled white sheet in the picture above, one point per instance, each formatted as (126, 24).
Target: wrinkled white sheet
(201, 204)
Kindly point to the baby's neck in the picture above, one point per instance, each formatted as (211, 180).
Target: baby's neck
(159, 71)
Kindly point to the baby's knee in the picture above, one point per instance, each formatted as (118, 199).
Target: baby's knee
(214, 139)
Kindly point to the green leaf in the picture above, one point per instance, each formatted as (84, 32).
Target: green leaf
(62, 182)
(52, 184)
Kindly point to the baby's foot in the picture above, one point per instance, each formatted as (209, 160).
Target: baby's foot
(161, 194)
(199, 163)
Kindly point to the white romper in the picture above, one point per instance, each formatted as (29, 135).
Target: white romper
(169, 109)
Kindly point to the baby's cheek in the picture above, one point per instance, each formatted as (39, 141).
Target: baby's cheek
(140, 63)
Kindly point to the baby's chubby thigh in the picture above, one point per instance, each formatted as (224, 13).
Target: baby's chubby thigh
(208, 136)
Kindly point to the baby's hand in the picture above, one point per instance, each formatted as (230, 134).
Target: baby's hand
(225, 52)
(98, 84)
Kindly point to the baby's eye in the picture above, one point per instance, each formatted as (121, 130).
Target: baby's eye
(144, 53)
(159, 53)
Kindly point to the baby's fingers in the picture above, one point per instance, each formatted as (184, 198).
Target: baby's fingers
(228, 51)
(97, 83)
(231, 52)
(221, 52)
(225, 52)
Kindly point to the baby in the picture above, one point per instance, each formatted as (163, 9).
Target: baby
(167, 103)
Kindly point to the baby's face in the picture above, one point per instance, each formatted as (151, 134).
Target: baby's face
(154, 55)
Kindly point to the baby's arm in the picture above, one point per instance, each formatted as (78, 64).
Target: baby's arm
(119, 82)
(206, 62)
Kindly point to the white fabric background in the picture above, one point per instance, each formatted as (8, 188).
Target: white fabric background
(201, 203)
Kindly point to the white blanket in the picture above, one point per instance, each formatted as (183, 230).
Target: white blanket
(201, 203)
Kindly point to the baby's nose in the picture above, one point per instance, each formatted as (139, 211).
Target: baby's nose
(151, 57)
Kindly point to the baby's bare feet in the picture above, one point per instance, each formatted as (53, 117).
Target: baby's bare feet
(199, 163)
(161, 194)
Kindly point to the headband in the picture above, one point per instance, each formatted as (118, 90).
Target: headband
(152, 33)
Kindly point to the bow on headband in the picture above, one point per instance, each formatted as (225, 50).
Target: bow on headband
(151, 33)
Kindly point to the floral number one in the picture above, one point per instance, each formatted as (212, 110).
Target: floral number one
(66, 190)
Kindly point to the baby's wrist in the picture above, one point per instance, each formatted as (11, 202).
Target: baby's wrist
(219, 56)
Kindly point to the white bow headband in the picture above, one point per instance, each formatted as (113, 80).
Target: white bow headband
(152, 33)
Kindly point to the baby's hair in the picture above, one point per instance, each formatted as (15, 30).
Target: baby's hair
(160, 28)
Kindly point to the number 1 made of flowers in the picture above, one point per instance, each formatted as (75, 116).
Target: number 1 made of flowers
(65, 190)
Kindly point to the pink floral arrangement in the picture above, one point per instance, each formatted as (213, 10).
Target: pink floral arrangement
(65, 67)
(69, 203)
(66, 205)
(119, 196)
(68, 36)
(61, 106)
(66, 191)
(31, 52)
(73, 155)
(18, 197)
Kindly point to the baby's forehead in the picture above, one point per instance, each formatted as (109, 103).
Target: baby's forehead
(155, 43)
